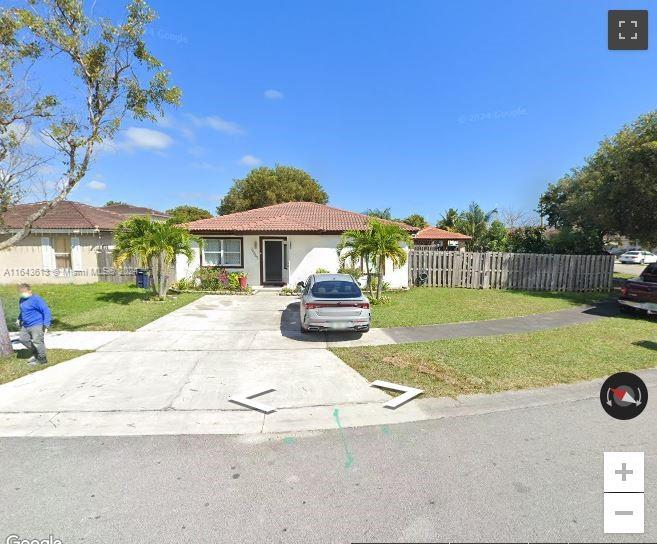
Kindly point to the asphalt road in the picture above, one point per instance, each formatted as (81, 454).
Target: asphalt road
(523, 475)
(629, 268)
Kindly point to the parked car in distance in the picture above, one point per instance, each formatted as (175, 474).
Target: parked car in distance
(638, 257)
(333, 302)
(640, 293)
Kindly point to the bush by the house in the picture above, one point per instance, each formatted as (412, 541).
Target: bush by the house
(209, 278)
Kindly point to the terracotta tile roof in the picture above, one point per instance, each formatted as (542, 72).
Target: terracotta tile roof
(65, 215)
(434, 233)
(288, 217)
(130, 210)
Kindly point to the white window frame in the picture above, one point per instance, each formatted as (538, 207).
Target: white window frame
(222, 252)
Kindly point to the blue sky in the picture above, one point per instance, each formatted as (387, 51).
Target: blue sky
(417, 106)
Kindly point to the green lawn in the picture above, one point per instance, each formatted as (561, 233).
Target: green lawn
(426, 306)
(96, 306)
(519, 361)
(15, 366)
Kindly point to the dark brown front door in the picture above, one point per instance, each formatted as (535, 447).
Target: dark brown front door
(273, 256)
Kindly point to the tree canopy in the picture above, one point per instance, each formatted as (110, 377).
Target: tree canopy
(185, 214)
(615, 192)
(265, 186)
(416, 220)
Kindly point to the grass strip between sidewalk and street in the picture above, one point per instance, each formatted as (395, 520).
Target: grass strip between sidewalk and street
(15, 366)
(96, 306)
(433, 305)
(517, 361)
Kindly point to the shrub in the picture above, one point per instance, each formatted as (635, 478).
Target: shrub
(383, 299)
(212, 278)
(353, 271)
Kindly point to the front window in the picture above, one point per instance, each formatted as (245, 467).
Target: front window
(335, 289)
(222, 252)
(62, 247)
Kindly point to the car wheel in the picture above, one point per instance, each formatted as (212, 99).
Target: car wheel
(303, 329)
(643, 261)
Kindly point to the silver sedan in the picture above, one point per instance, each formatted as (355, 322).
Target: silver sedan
(333, 302)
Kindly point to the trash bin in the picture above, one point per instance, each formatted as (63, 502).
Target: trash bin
(142, 278)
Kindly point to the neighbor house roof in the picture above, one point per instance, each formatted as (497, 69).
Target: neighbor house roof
(288, 217)
(64, 215)
(129, 210)
(434, 233)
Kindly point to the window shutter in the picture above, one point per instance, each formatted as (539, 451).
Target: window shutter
(47, 253)
(76, 254)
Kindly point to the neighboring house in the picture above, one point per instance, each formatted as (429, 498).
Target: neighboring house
(280, 244)
(441, 239)
(129, 210)
(71, 243)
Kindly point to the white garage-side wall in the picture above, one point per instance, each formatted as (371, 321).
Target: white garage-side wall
(310, 252)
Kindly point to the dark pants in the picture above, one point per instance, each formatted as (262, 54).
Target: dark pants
(32, 339)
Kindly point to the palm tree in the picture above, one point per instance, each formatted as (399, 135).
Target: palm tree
(155, 245)
(448, 220)
(357, 245)
(381, 214)
(387, 241)
(474, 222)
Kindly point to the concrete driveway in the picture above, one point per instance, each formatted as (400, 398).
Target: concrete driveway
(176, 374)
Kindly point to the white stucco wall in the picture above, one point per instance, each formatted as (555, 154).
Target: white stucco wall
(306, 254)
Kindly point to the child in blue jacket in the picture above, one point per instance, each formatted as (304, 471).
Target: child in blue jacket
(34, 320)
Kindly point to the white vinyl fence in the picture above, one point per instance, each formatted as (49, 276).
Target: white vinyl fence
(528, 271)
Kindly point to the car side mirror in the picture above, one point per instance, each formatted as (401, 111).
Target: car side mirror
(301, 285)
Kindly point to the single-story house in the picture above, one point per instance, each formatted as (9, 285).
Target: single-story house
(71, 243)
(281, 244)
(440, 238)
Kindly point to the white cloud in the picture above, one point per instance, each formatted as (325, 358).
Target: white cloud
(273, 94)
(146, 138)
(250, 160)
(97, 185)
(216, 123)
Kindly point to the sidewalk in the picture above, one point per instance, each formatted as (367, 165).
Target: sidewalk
(83, 340)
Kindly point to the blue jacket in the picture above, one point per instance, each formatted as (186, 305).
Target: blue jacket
(34, 311)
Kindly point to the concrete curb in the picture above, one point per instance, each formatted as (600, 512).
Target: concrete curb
(289, 420)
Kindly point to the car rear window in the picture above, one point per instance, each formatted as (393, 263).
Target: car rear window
(632, 253)
(335, 289)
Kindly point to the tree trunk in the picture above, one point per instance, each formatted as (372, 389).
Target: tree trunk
(154, 275)
(163, 280)
(5, 341)
(379, 282)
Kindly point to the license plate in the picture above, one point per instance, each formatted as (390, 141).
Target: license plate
(339, 324)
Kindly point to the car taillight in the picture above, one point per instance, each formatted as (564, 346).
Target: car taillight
(623, 291)
(315, 305)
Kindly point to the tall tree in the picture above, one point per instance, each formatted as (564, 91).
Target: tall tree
(615, 192)
(109, 63)
(448, 219)
(475, 223)
(186, 214)
(265, 186)
(416, 220)
(113, 73)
